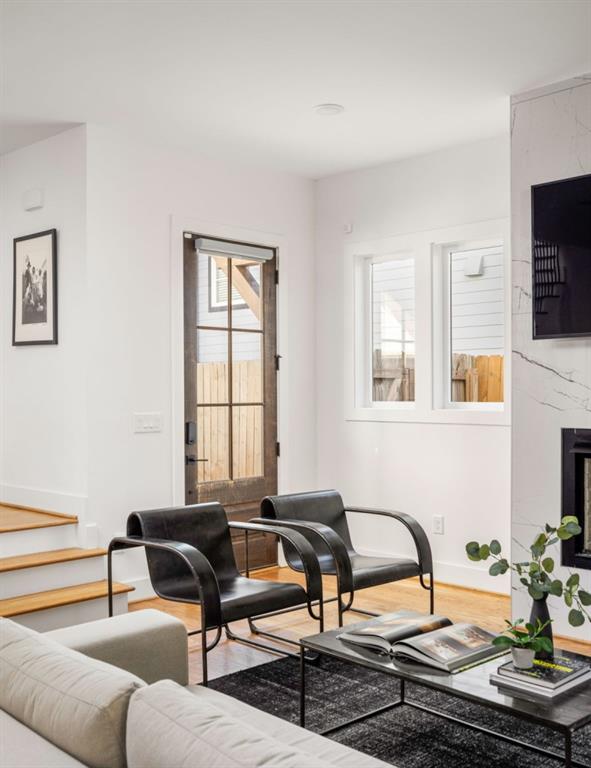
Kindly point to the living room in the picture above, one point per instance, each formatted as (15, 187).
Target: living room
(289, 333)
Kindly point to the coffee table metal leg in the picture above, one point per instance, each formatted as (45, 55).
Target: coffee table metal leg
(568, 749)
(302, 686)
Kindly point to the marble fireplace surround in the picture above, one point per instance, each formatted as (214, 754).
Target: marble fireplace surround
(551, 381)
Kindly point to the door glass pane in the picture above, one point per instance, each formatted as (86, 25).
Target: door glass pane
(212, 366)
(477, 325)
(393, 330)
(213, 444)
(247, 441)
(247, 368)
(212, 290)
(246, 288)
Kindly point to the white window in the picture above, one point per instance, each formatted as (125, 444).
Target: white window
(473, 326)
(390, 351)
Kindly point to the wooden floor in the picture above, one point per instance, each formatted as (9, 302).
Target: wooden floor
(459, 604)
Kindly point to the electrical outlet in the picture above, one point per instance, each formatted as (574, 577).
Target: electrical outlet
(438, 524)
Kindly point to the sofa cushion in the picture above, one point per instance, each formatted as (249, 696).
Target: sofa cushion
(168, 726)
(77, 703)
(287, 733)
(20, 747)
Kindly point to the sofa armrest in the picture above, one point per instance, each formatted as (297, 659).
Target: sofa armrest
(149, 643)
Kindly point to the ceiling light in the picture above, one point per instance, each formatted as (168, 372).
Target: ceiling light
(328, 110)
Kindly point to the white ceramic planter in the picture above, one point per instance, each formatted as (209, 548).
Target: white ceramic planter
(523, 658)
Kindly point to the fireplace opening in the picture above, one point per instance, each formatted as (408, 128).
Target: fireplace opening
(576, 494)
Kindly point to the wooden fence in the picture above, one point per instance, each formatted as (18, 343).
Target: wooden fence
(393, 377)
(478, 378)
(475, 378)
(213, 432)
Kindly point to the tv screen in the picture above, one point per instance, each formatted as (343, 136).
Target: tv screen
(561, 258)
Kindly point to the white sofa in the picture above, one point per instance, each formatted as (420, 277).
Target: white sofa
(113, 693)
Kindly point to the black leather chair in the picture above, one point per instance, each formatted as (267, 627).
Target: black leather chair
(321, 517)
(191, 560)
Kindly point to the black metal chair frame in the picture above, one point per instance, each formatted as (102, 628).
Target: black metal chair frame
(207, 592)
(344, 572)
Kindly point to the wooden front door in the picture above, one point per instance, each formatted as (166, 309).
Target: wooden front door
(231, 381)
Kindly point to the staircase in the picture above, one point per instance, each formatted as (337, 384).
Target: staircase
(46, 580)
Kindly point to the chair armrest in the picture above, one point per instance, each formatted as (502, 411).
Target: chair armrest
(199, 567)
(331, 539)
(416, 530)
(303, 547)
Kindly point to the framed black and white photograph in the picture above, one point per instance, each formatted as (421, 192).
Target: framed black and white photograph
(34, 303)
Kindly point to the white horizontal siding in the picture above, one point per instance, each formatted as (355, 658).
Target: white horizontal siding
(393, 303)
(477, 304)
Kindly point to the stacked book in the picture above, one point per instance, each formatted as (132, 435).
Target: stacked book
(547, 679)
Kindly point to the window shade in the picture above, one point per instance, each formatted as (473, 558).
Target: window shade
(234, 250)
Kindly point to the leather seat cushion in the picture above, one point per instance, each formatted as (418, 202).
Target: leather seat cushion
(368, 571)
(242, 597)
(371, 571)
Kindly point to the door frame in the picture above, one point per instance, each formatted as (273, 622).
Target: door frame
(178, 226)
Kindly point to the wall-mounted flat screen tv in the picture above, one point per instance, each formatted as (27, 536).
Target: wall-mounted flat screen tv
(561, 258)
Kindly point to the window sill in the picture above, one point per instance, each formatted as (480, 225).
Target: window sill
(413, 415)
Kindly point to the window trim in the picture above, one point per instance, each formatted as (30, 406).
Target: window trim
(425, 247)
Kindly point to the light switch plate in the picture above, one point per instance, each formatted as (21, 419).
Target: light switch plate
(147, 422)
(438, 524)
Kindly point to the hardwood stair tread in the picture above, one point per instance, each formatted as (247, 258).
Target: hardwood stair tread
(57, 598)
(16, 518)
(34, 559)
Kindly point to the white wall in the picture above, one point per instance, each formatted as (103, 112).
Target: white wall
(458, 470)
(66, 416)
(43, 408)
(136, 192)
(550, 140)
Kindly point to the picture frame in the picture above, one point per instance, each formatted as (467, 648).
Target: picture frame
(34, 289)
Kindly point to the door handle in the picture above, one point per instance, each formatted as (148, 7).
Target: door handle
(193, 459)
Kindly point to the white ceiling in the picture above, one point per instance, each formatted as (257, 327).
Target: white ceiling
(239, 79)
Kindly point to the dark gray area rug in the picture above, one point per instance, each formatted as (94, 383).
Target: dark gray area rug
(405, 737)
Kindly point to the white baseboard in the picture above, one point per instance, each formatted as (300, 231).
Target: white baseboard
(457, 574)
(143, 589)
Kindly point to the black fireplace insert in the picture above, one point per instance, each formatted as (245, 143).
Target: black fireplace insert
(576, 494)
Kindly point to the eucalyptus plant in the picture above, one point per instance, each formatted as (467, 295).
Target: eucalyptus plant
(537, 574)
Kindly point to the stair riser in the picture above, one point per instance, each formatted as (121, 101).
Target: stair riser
(55, 576)
(38, 540)
(68, 615)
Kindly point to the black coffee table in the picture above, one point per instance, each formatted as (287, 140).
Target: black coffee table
(565, 716)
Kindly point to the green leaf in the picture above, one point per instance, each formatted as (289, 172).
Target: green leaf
(473, 551)
(545, 644)
(498, 568)
(535, 592)
(534, 567)
(548, 564)
(563, 534)
(556, 588)
(568, 599)
(495, 547)
(502, 641)
(484, 552)
(576, 618)
(573, 581)
(584, 597)
(569, 519)
(573, 528)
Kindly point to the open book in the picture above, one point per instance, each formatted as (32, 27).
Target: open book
(430, 640)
